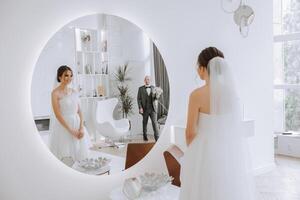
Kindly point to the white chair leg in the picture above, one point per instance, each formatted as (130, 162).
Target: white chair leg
(95, 136)
(111, 143)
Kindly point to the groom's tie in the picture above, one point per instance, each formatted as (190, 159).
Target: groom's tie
(148, 89)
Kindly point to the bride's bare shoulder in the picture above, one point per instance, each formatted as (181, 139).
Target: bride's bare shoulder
(196, 96)
(198, 92)
(55, 92)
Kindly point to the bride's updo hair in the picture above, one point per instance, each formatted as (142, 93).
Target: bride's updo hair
(61, 70)
(207, 54)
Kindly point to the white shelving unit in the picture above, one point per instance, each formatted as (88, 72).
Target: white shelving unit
(91, 73)
(91, 66)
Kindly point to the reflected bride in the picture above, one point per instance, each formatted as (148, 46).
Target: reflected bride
(69, 140)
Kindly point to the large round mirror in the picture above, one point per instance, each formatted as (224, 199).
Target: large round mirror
(100, 94)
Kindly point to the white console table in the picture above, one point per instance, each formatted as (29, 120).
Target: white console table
(178, 133)
(288, 145)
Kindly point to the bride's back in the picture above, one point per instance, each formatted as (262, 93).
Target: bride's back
(215, 165)
(202, 98)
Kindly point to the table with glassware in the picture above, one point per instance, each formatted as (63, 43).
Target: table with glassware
(149, 186)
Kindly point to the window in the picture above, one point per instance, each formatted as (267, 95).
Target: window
(286, 24)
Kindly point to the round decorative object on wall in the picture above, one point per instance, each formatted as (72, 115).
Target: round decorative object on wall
(243, 14)
(243, 17)
(230, 6)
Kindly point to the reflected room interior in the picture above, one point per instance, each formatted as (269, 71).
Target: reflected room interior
(109, 57)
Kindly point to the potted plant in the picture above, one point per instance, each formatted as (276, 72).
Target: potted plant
(126, 101)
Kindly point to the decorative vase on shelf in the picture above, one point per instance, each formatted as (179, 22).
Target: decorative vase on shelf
(86, 40)
(88, 69)
(104, 46)
(78, 67)
(106, 69)
(100, 90)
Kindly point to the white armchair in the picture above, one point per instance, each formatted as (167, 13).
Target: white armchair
(106, 125)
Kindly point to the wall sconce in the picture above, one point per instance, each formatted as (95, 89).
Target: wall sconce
(243, 14)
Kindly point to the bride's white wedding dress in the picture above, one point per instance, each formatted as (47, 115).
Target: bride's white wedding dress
(62, 143)
(216, 165)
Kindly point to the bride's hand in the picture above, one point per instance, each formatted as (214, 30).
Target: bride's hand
(74, 132)
(81, 133)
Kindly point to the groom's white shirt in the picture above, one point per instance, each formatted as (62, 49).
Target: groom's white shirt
(148, 89)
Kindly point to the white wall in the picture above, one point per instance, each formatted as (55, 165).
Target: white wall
(180, 30)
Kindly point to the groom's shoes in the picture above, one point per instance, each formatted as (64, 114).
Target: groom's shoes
(156, 136)
(145, 137)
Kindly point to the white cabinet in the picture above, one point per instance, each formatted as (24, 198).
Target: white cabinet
(177, 133)
(288, 145)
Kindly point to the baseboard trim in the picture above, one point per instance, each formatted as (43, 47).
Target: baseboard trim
(264, 169)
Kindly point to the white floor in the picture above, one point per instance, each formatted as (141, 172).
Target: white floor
(283, 183)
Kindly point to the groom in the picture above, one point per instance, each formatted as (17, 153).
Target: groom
(147, 107)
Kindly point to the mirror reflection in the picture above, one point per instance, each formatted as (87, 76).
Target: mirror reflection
(100, 94)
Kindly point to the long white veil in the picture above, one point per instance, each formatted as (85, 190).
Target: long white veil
(225, 106)
(53, 122)
(223, 97)
(229, 145)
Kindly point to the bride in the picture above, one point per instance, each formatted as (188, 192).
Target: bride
(216, 164)
(69, 140)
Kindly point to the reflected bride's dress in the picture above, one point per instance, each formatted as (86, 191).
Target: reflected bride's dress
(62, 143)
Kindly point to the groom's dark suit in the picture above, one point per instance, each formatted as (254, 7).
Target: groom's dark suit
(148, 103)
